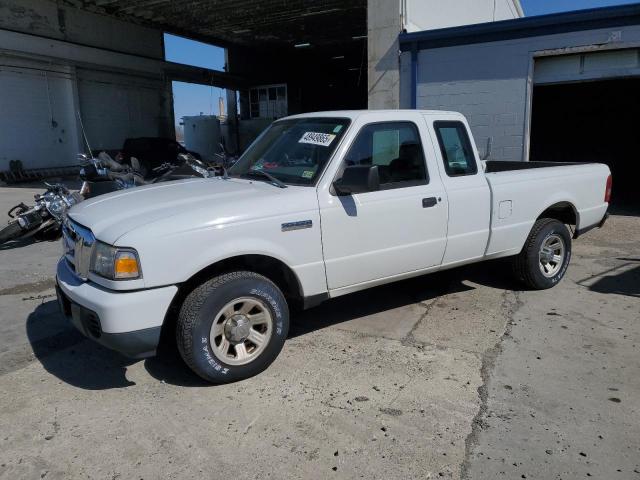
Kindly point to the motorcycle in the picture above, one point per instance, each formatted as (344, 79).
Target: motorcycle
(104, 175)
(186, 166)
(99, 175)
(44, 219)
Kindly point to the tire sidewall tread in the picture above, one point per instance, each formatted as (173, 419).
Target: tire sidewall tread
(201, 307)
(526, 264)
(10, 232)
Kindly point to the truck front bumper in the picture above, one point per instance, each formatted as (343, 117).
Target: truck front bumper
(128, 322)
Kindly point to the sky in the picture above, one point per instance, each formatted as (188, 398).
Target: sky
(190, 99)
(542, 7)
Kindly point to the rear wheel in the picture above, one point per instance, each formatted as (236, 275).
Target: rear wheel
(10, 232)
(546, 254)
(232, 327)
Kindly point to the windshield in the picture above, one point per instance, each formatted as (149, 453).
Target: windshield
(293, 151)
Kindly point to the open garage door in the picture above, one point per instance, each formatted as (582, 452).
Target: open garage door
(591, 120)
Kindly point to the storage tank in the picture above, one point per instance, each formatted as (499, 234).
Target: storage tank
(202, 135)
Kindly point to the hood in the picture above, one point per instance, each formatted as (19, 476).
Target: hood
(111, 216)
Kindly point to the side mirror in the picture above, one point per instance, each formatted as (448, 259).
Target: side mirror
(358, 179)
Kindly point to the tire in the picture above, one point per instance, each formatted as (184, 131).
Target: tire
(10, 232)
(50, 233)
(542, 268)
(216, 343)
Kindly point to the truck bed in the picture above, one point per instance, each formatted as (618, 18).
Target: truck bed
(522, 191)
(495, 166)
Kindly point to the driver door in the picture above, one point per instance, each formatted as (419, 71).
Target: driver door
(398, 229)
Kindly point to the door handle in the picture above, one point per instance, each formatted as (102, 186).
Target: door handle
(429, 202)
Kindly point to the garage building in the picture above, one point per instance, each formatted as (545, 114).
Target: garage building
(562, 87)
(102, 61)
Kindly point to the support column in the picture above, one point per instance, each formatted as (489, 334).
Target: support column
(384, 24)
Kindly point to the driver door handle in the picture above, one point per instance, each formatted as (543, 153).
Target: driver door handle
(429, 202)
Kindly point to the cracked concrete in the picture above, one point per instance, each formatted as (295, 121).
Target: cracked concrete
(452, 375)
(510, 306)
(562, 398)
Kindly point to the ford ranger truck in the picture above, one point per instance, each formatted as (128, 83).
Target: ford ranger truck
(321, 205)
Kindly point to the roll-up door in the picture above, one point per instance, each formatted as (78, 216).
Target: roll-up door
(115, 107)
(37, 119)
(587, 66)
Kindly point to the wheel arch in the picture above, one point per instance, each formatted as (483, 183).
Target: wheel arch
(273, 268)
(564, 211)
(270, 267)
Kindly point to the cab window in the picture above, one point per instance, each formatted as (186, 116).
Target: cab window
(456, 149)
(395, 148)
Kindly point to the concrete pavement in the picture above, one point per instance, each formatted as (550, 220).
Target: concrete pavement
(457, 374)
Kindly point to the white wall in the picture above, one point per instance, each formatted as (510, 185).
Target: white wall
(115, 107)
(56, 61)
(37, 123)
(432, 14)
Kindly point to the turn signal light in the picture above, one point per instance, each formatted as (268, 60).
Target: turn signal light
(126, 265)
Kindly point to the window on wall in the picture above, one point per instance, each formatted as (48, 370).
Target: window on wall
(456, 149)
(394, 147)
(268, 101)
(191, 52)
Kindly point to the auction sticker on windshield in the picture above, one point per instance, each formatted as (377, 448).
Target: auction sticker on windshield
(316, 138)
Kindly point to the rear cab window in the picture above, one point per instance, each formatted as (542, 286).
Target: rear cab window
(455, 147)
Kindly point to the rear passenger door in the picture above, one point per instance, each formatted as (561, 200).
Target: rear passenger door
(398, 229)
(468, 192)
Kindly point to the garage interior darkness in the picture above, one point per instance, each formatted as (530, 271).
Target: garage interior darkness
(318, 48)
(593, 121)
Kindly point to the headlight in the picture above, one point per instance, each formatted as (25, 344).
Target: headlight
(56, 207)
(115, 263)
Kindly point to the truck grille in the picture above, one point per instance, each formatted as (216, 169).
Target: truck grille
(77, 244)
(92, 324)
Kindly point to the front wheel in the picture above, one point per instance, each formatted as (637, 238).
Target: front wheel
(10, 232)
(546, 254)
(232, 327)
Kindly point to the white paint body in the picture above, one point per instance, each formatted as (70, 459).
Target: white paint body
(355, 242)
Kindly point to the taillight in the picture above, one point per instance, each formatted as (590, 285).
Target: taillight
(607, 191)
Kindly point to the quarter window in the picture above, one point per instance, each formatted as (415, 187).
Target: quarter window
(395, 148)
(456, 149)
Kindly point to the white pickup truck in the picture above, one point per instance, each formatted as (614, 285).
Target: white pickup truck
(320, 205)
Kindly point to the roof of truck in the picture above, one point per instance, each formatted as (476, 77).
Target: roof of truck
(353, 114)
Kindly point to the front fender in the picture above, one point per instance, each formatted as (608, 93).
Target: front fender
(169, 257)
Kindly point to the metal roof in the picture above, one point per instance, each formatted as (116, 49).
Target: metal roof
(523, 27)
(252, 23)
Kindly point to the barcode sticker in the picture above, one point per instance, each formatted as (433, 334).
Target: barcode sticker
(315, 138)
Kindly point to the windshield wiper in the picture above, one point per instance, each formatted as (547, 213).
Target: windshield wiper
(260, 173)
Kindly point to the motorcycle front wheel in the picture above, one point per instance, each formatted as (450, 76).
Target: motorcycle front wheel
(10, 232)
